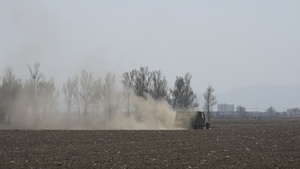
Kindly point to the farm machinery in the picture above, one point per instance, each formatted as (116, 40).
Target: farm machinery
(191, 120)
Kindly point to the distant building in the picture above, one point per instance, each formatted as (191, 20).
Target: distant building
(225, 107)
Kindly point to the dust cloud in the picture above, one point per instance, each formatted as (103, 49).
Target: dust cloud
(41, 35)
(145, 114)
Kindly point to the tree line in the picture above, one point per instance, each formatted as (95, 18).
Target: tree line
(36, 94)
(85, 94)
(269, 113)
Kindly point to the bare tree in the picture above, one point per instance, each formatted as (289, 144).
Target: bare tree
(9, 92)
(159, 89)
(42, 93)
(33, 85)
(182, 96)
(209, 100)
(294, 112)
(128, 79)
(189, 97)
(271, 111)
(86, 89)
(241, 111)
(97, 95)
(48, 95)
(70, 89)
(176, 92)
(109, 95)
(141, 81)
(128, 84)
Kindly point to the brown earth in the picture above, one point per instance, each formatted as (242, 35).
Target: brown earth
(229, 144)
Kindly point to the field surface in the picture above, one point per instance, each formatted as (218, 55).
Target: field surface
(228, 144)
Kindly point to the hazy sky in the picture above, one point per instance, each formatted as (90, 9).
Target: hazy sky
(228, 44)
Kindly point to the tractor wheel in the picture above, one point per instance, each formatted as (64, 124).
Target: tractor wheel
(207, 125)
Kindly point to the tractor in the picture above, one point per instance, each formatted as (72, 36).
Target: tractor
(191, 120)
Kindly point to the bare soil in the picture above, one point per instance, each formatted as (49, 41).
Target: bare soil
(228, 144)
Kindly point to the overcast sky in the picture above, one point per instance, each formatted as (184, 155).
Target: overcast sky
(227, 44)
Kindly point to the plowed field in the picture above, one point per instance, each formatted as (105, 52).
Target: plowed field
(228, 144)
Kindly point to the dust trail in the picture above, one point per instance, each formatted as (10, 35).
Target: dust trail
(145, 114)
(151, 115)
